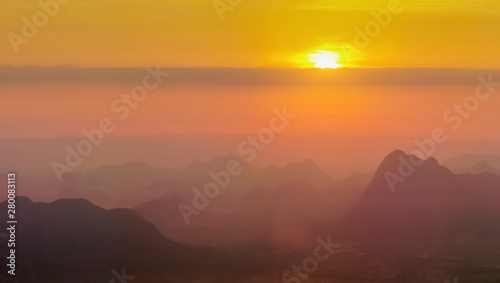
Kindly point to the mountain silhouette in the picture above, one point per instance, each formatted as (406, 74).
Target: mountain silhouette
(76, 241)
(430, 207)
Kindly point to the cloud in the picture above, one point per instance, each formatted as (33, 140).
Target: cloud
(240, 76)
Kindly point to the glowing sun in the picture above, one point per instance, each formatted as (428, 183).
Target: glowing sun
(325, 59)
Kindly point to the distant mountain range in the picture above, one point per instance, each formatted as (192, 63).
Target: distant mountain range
(127, 175)
(431, 217)
(257, 206)
(305, 171)
(461, 163)
(131, 184)
(479, 168)
(115, 180)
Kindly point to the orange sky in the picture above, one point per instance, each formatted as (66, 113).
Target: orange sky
(256, 33)
(65, 109)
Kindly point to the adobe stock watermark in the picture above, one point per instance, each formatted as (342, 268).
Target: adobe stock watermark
(363, 36)
(223, 6)
(454, 281)
(323, 251)
(31, 27)
(122, 107)
(9, 191)
(120, 277)
(455, 115)
(248, 150)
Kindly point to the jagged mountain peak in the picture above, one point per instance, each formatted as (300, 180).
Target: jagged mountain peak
(399, 169)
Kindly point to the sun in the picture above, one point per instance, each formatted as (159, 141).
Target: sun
(325, 59)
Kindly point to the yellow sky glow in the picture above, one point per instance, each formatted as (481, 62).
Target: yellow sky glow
(179, 33)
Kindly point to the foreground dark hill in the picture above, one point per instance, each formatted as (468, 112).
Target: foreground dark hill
(76, 241)
(428, 206)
